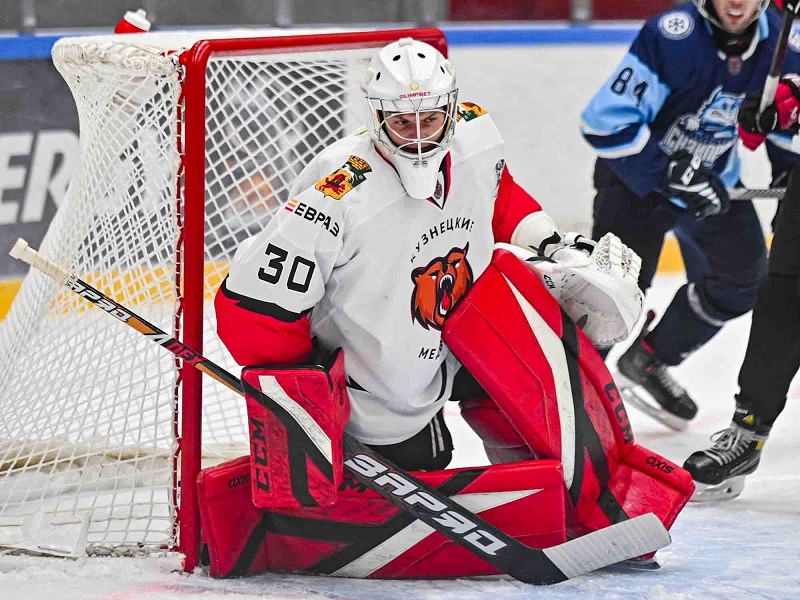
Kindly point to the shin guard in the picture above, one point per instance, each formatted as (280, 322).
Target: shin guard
(296, 417)
(553, 387)
(365, 535)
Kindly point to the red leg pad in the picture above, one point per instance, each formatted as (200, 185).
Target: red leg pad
(644, 482)
(554, 389)
(364, 535)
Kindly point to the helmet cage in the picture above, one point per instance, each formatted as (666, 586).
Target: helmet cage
(418, 148)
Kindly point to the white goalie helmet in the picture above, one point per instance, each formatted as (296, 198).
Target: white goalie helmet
(410, 77)
(706, 9)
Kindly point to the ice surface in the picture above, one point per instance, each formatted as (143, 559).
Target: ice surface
(746, 548)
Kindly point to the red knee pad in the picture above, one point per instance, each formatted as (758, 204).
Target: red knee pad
(296, 418)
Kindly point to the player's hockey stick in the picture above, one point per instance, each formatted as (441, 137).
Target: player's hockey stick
(767, 98)
(755, 194)
(613, 544)
(776, 66)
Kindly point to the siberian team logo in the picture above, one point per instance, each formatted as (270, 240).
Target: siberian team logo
(710, 132)
(341, 181)
(794, 40)
(439, 286)
(676, 25)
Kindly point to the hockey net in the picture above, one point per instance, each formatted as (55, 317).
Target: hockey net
(189, 142)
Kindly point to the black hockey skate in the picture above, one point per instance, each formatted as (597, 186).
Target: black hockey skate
(720, 470)
(644, 382)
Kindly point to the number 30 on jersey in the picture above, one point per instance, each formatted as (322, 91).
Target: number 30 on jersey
(299, 277)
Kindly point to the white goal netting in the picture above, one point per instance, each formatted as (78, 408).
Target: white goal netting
(90, 411)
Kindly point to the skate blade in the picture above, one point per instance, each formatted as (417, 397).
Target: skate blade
(727, 490)
(641, 564)
(635, 395)
(635, 564)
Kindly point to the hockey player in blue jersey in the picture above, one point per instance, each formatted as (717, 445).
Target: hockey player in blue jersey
(664, 128)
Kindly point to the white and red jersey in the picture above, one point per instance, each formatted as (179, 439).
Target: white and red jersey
(356, 262)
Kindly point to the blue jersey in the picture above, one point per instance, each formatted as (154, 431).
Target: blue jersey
(676, 90)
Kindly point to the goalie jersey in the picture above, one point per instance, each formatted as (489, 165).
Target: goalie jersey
(663, 98)
(355, 262)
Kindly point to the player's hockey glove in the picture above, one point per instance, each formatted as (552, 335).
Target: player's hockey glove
(694, 188)
(754, 125)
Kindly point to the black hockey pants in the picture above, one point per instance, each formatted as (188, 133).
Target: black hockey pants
(773, 348)
(725, 258)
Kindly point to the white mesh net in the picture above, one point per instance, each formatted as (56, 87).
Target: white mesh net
(89, 409)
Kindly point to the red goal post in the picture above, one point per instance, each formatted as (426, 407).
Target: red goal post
(189, 141)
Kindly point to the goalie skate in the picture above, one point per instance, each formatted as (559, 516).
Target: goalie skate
(646, 563)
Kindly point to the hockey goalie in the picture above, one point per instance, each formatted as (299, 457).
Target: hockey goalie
(409, 270)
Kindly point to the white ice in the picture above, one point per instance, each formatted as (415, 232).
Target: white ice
(746, 548)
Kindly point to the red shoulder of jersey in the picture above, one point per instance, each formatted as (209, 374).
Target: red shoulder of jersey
(257, 333)
(511, 206)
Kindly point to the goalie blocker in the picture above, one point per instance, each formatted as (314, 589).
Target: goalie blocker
(296, 428)
(551, 396)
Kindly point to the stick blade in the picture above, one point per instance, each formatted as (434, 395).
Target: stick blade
(46, 534)
(19, 248)
(641, 535)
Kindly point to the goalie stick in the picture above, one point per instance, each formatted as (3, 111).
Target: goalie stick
(619, 542)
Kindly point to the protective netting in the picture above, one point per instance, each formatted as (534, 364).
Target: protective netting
(89, 409)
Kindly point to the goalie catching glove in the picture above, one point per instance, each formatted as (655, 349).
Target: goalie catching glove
(596, 283)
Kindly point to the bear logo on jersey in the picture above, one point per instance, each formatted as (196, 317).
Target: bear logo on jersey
(439, 286)
(341, 181)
